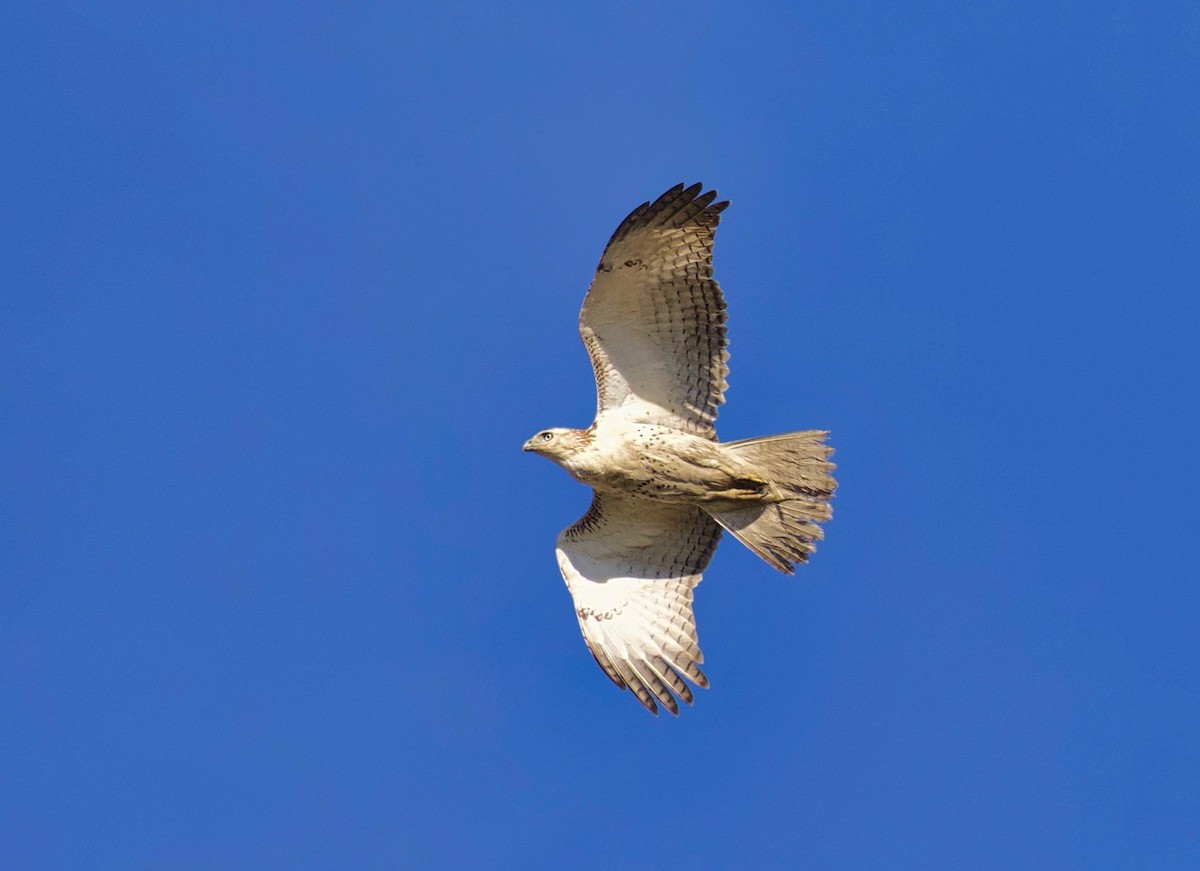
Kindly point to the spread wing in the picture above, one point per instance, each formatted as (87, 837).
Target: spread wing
(631, 565)
(653, 321)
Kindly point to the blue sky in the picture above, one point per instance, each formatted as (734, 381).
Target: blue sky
(285, 287)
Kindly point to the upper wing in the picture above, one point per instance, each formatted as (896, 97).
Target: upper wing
(630, 565)
(653, 321)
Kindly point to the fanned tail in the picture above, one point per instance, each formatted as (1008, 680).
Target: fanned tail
(782, 529)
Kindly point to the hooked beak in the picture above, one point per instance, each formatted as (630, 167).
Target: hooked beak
(528, 446)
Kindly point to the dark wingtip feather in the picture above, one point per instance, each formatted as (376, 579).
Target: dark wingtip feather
(647, 701)
(676, 206)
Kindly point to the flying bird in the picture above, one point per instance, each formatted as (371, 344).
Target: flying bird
(664, 488)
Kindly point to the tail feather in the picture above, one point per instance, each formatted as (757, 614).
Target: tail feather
(784, 528)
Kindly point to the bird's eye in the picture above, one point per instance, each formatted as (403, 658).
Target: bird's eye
(547, 436)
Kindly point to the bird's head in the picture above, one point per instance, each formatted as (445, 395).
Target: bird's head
(558, 443)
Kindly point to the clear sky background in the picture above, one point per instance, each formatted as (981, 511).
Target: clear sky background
(284, 287)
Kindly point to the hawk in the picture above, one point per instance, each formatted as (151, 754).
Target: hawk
(664, 488)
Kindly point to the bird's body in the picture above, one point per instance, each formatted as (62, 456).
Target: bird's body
(653, 323)
(658, 463)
